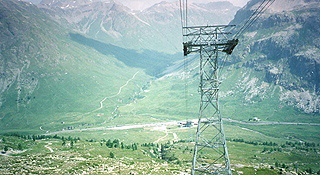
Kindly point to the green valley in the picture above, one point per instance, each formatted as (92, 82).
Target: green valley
(96, 88)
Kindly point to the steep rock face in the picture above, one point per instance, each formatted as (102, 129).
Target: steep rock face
(287, 38)
(156, 28)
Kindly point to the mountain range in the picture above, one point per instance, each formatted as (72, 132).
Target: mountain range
(155, 28)
(85, 62)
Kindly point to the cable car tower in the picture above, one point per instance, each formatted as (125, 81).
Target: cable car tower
(213, 43)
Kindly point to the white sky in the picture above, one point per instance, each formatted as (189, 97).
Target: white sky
(143, 4)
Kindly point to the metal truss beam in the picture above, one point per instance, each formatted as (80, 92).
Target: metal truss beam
(210, 152)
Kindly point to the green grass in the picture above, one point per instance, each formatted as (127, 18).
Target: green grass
(292, 132)
(83, 156)
(245, 157)
(251, 171)
(75, 89)
(243, 132)
(140, 135)
(64, 77)
(175, 100)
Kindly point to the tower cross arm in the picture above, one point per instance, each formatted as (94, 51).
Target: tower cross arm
(224, 46)
(208, 36)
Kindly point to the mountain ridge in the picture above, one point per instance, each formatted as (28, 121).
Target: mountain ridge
(155, 28)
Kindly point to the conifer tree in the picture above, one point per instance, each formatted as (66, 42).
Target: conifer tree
(111, 155)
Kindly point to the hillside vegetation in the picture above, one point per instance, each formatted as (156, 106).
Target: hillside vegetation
(93, 87)
(48, 77)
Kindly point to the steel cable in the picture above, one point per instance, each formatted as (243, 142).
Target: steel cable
(255, 15)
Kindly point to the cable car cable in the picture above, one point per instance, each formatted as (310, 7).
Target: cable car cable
(255, 15)
(252, 15)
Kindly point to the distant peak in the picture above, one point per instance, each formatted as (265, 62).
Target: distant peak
(74, 3)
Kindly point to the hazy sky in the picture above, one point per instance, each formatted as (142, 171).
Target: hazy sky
(142, 4)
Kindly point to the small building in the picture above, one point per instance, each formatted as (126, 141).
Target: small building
(186, 124)
(256, 119)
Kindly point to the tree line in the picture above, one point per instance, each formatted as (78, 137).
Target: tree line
(117, 144)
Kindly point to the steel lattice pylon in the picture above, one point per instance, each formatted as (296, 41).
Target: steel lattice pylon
(210, 152)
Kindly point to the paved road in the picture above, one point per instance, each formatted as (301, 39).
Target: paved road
(271, 123)
(125, 127)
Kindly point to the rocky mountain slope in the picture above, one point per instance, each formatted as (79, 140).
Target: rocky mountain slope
(156, 28)
(284, 44)
(48, 73)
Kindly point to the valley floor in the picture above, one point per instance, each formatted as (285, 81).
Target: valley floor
(138, 150)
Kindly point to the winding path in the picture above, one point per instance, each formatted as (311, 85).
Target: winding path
(104, 99)
(49, 148)
(101, 102)
(120, 89)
